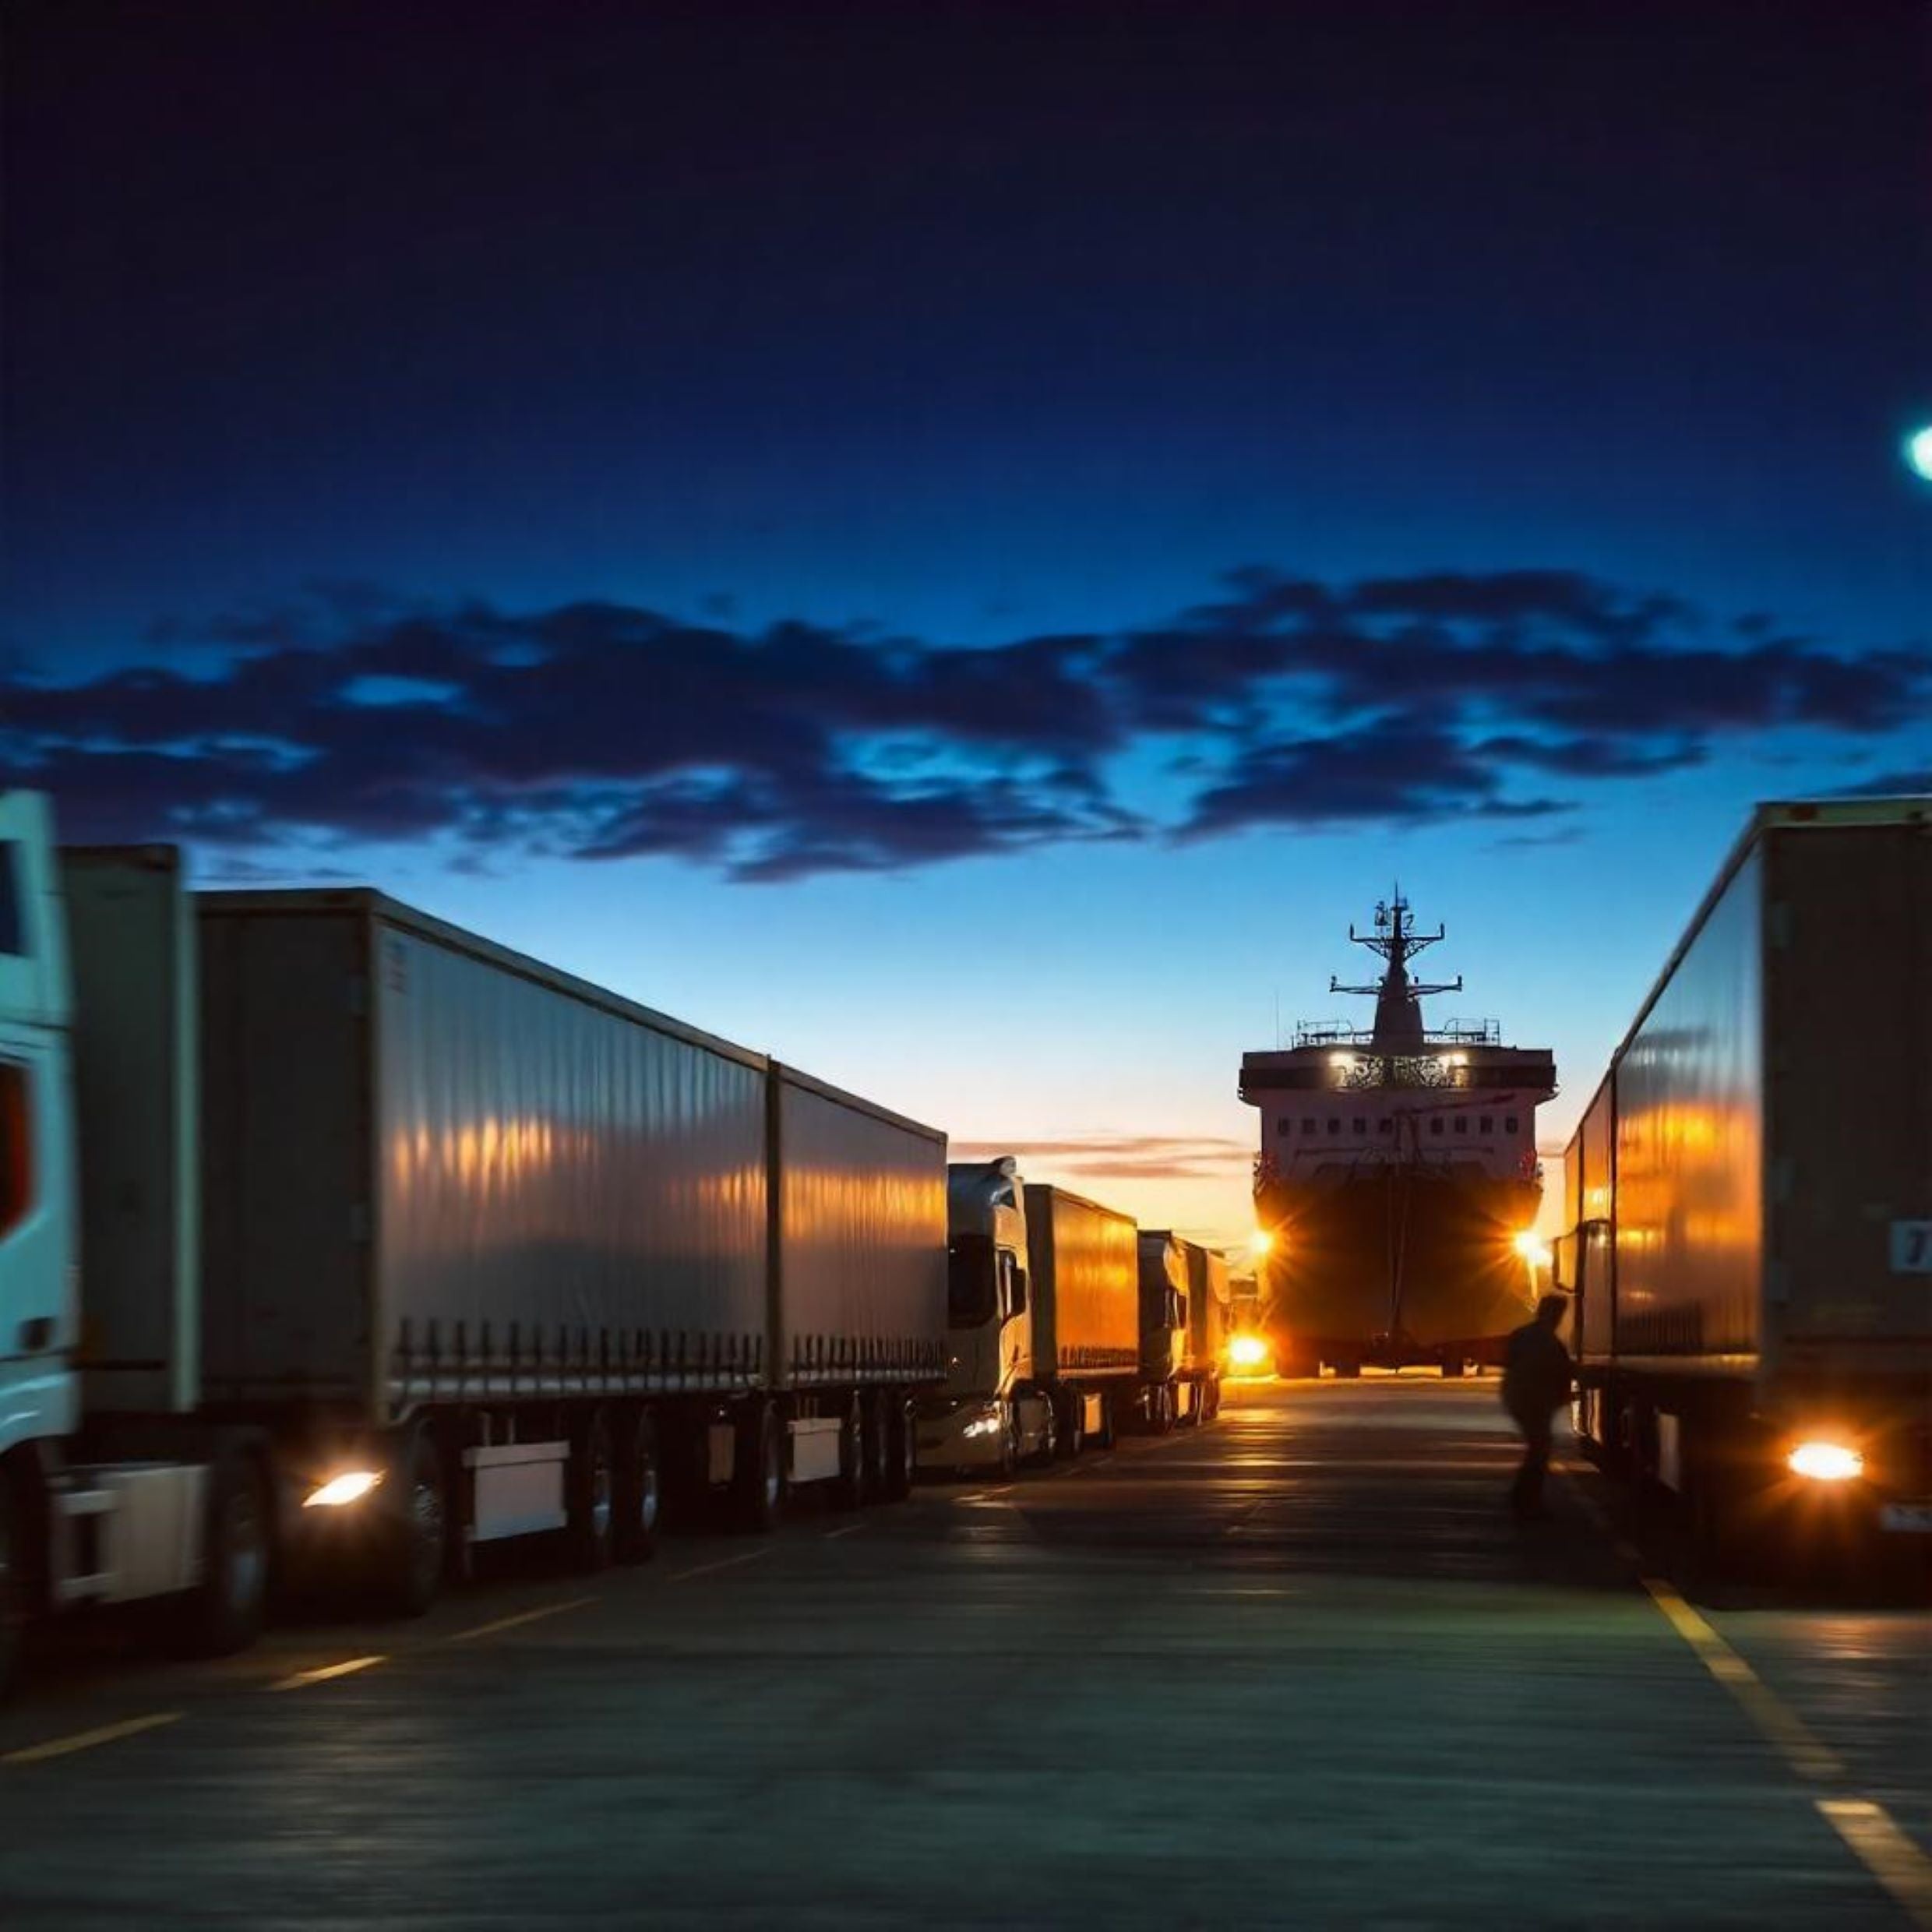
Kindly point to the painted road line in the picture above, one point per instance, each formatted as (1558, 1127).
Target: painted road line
(851, 1529)
(87, 1740)
(1887, 1854)
(326, 1673)
(724, 1563)
(1795, 1742)
(521, 1617)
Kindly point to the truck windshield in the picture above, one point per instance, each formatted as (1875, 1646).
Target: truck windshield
(969, 1282)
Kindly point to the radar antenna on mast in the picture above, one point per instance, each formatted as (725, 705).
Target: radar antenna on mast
(1398, 1020)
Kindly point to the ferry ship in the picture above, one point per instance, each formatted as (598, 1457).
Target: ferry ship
(1397, 1181)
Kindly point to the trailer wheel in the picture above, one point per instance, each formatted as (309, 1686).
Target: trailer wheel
(879, 1446)
(1452, 1368)
(1349, 1371)
(640, 1491)
(904, 1467)
(1160, 1408)
(1010, 1444)
(13, 1597)
(1067, 1442)
(412, 1559)
(849, 1486)
(758, 1474)
(224, 1613)
(1106, 1435)
(592, 1489)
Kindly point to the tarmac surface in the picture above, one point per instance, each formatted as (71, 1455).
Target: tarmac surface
(1297, 1668)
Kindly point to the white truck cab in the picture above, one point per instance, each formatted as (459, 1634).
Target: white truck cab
(110, 1490)
(990, 1413)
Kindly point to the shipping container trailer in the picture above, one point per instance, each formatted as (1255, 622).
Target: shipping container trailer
(1749, 1244)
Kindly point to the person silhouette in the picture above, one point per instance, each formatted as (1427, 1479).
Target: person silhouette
(1536, 1384)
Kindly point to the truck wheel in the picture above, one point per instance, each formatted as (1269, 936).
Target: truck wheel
(12, 1581)
(849, 1486)
(1160, 1408)
(640, 1491)
(1010, 1444)
(1349, 1371)
(879, 1446)
(1452, 1368)
(1105, 1436)
(1066, 1443)
(224, 1613)
(592, 1494)
(758, 1478)
(904, 1467)
(412, 1559)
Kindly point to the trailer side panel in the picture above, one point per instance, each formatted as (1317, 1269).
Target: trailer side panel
(863, 1241)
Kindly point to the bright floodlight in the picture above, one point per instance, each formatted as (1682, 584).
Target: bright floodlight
(1918, 451)
(1260, 1242)
(1247, 1352)
(1532, 1250)
(1826, 1462)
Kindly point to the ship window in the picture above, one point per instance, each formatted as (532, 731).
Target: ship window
(1462, 1124)
(1284, 1126)
(1509, 1126)
(1488, 1123)
(1385, 1125)
(1361, 1125)
(1435, 1125)
(1308, 1126)
(1334, 1123)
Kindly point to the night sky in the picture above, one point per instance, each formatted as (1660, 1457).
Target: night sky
(962, 545)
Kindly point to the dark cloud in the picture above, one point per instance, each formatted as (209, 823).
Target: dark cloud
(601, 730)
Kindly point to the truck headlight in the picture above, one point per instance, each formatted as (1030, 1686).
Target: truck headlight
(984, 1424)
(1247, 1352)
(1825, 1462)
(350, 1486)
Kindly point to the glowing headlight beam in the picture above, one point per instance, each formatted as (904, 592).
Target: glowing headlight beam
(350, 1486)
(1825, 1462)
(1247, 1352)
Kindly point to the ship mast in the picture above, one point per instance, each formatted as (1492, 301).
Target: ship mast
(1398, 1013)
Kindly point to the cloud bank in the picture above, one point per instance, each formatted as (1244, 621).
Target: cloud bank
(598, 730)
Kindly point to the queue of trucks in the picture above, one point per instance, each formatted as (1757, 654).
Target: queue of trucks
(336, 1243)
(1748, 1214)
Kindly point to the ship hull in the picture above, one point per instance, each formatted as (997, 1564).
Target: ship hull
(1398, 1265)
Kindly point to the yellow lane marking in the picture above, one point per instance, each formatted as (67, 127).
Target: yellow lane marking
(87, 1740)
(1888, 1855)
(323, 1673)
(851, 1529)
(1781, 1726)
(724, 1563)
(521, 1617)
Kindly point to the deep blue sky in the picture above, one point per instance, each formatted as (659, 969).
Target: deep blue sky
(797, 456)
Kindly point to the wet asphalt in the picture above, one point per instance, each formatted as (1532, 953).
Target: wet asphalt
(1297, 1668)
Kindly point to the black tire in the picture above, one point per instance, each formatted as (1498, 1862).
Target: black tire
(225, 1612)
(1452, 1368)
(591, 1487)
(902, 1471)
(13, 1584)
(1160, 1408)
(1068, 1443)
(1010, 1444)
(880, 1447)
(1107, 1434)
(639, 1491)
(758, 1475)
(412, 1558)
(1348, 1371)
(847, 1488)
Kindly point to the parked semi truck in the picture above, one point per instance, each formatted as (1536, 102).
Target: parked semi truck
(335, 1238)
(1183, 1318)
(1044, 1346)
(1748, 1208)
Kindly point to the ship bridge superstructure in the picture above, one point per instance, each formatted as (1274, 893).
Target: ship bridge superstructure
(1342, 1098)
